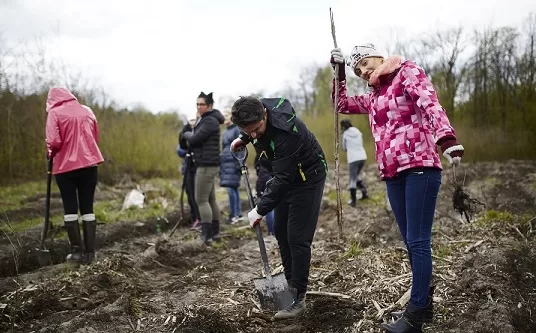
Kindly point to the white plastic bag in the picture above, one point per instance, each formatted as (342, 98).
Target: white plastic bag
(134, 198)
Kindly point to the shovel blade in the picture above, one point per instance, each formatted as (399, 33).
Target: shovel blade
(273, 292)
(44, 257)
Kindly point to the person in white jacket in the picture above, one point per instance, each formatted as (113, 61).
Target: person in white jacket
(352, 144)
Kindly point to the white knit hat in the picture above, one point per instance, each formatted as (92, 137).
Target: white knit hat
(361, 52)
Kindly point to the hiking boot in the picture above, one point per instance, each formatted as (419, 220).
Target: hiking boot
(363, 188)
(428, 313)
(90, 233)
(206, 232)
(293, 310)
(73, 233)
(353, 197)
(216, 231)
(411, 321)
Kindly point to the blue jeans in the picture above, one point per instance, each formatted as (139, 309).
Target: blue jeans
(413, 196)
(270, 222)
(234, 201)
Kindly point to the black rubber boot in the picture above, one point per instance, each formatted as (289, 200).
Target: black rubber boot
(293, 310)
(410, 322)
(90, 233)
(353, 197)
(73, 233)
(206, 232)
(429, 312)
(363, 188)
(216, 231)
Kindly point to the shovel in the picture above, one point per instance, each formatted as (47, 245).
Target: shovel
(43, 255)
(271, 289)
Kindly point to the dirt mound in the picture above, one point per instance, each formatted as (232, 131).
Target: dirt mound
(107, 235)
(497, 292)
(166, 248)
(203, 320)
(331, 315)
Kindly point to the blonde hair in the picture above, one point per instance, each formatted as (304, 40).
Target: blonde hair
(227, 116)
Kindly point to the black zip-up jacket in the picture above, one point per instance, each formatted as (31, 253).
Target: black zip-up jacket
(295, 154)
(205, 140)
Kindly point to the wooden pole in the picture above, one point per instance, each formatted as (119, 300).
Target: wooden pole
(336, 102)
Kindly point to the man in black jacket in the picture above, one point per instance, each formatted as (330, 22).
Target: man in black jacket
(205, 143)
(295, 191)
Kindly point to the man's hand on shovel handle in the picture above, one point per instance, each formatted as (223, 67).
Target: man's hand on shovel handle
(237, 144)
(254, 217)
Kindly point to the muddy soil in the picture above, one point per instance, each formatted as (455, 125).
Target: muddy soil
(485, 271)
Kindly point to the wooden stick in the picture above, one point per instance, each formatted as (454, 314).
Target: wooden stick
(336, 103)
(404, 299)
(325, 293)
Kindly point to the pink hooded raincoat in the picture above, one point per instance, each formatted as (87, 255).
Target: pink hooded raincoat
(72, 132)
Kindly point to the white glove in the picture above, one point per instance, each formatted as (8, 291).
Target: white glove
(237, 143)
(454, 154)
(336, 56)
(254, 217)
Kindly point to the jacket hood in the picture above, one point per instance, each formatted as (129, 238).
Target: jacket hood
(281, 114)
(58, 96)
(216, 114)
(352, 132)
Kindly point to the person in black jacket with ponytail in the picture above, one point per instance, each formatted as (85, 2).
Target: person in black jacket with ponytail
(205, 143)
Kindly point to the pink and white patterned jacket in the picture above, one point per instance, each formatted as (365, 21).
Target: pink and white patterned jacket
(406, 119)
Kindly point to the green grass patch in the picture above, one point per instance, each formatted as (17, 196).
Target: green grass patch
(353, 251)
(105, 212)
(241, 233)
(491, 216)
(170, 188)
(13, 195)
(442, 251)
(222, 244)
(491, 181)
(377, 199)
(25, 224)
(332, 196)
(110, 212)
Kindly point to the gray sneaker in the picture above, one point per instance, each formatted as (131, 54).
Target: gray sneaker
(293, 310)
(76, 257)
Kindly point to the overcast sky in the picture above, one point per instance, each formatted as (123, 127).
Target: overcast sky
(162, 53)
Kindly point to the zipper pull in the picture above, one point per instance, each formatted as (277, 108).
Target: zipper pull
(301, 171)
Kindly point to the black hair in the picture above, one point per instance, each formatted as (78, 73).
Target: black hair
(346, 124)
(207, 97)
(247, 110)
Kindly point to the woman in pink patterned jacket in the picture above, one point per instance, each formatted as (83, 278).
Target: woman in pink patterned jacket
(408, 124)
(72, 135)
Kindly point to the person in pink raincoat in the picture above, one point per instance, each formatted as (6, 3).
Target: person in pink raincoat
(72, 136)
(408, 124)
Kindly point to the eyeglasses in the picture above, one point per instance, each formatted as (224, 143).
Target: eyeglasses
(200, 104)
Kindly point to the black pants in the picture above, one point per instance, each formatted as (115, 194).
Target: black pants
(77, 190)
(189, 182)
(296, 218)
